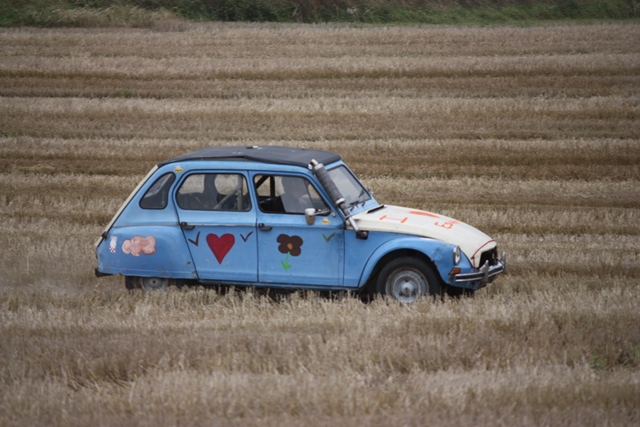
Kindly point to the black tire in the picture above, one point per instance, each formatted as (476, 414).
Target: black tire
(129, 283)
(408, 279)
(148, 283)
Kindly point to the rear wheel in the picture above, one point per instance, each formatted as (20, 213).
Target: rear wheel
(148, 283)
(407, 279)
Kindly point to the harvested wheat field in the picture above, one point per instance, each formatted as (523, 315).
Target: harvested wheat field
(531, 134)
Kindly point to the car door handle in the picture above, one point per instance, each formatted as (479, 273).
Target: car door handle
(186, 226)
(264, 227)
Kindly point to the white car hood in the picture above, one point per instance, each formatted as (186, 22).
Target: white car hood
(395, 219)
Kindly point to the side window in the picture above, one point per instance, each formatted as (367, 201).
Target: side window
(214, 192)
(287, 194)
(157, 195)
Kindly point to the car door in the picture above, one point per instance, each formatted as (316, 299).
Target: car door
(219, 224)
(291, 251)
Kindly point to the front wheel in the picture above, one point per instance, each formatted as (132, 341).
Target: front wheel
(148, 283)
(407, 279)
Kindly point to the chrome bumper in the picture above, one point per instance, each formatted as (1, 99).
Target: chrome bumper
(485, 274)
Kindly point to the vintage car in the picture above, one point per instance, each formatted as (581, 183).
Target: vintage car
(292, 218)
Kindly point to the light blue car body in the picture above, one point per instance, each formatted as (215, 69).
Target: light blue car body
(253, 247)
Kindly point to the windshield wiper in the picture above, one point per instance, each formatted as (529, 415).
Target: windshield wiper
(377, 208)
(357, 201)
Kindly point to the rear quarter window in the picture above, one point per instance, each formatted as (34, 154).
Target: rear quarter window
(157, 196)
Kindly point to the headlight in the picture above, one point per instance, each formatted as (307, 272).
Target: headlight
(457, 255)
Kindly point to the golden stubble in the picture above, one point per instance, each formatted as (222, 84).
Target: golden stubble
(530, 134)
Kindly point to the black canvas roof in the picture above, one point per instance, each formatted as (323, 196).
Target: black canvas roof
(266, 154)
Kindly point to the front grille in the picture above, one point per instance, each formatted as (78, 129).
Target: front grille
(490, 255)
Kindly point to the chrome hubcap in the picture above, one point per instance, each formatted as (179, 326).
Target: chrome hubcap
(406, 286)
(154, 283)
(407, 289)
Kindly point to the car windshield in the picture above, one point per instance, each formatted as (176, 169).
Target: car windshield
(351, 189)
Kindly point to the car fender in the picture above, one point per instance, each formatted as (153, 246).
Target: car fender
(146, 251)
(438, 252)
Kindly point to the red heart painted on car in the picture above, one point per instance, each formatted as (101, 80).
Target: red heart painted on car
(220, 246)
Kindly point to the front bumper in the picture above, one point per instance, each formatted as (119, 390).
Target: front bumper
(485, 274)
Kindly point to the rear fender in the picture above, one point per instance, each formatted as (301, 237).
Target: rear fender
(151, 251)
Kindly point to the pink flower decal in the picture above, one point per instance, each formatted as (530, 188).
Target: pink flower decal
(139, 245)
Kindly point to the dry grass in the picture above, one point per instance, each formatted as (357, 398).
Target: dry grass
(531, 134)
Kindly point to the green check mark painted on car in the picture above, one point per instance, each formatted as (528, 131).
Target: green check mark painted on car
(329, 237)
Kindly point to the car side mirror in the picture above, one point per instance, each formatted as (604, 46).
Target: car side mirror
(310, 215)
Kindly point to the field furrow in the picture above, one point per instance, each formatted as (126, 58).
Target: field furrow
(531, 134)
